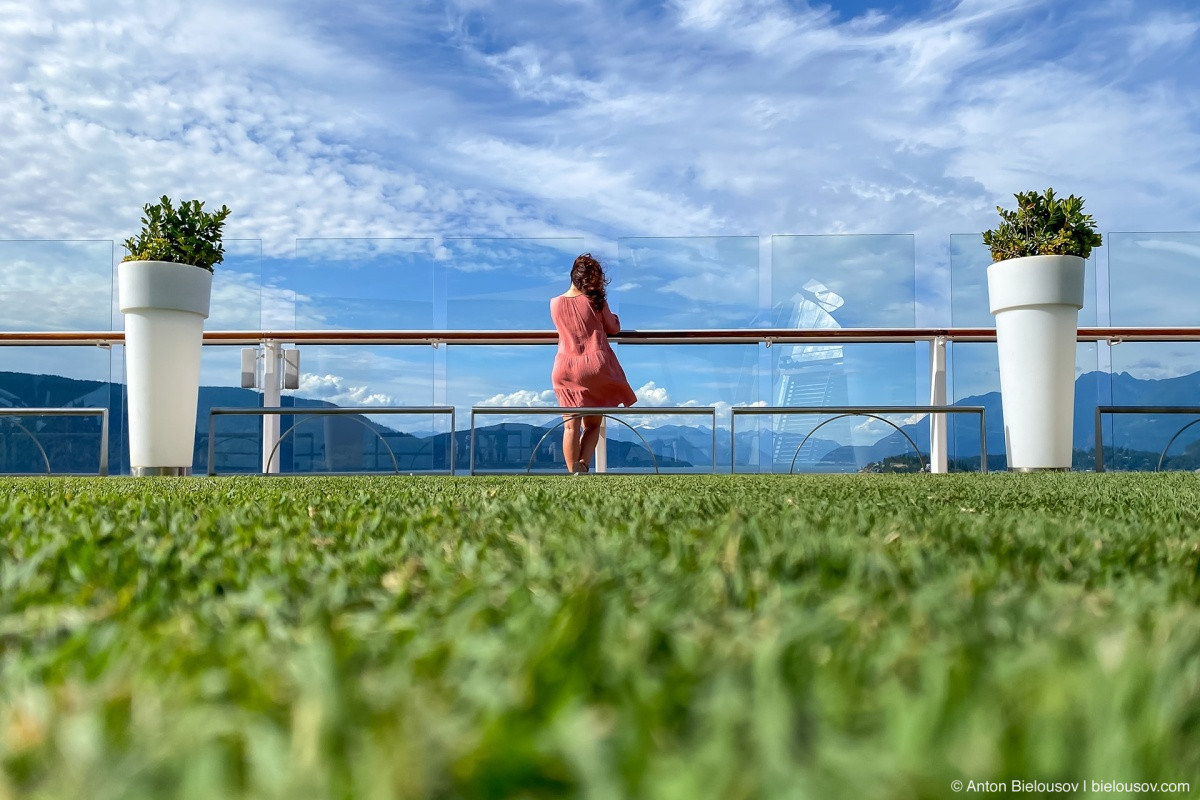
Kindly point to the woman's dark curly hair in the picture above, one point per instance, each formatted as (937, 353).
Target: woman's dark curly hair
(588, 277)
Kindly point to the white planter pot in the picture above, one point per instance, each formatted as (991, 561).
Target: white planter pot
(1036, 302)
(165, 306)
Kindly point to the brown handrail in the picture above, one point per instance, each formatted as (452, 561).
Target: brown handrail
(1113, 335)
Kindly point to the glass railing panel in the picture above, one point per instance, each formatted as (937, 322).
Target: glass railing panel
(833, 442)
(504, 283)
(969, 260)
(700, 282)
(849, 281)
(831, 282)
(720, 376)
(236, 302)
(1153, 279)
(57, 377)
(363, 377)
(657, 441)
(687, 282)
(972, 368)
(974, 380)
(351, 284)
(56, 285)
(384, 443)
(497, 375)
(330, 377)
(974, 371)
(239, 439)
(1152, 374)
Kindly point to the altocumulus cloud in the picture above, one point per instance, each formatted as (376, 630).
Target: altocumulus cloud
(531, 117)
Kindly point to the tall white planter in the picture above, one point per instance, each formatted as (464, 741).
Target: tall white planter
(1036, 302)
(165, 306)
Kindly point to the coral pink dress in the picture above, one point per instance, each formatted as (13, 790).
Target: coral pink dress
(586, 370)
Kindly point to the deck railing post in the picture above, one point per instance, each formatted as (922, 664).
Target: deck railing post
(602, 447)
(938, 460)
(272, 385)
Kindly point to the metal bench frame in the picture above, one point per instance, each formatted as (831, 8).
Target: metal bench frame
(611, 413)
(63, 412)
(1101, 410)
(323, 412)
(838, 412)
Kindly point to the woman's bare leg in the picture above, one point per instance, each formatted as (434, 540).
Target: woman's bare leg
(590, 438)
(571, 443)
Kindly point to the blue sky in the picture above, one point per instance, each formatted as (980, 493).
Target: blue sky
(591, 122)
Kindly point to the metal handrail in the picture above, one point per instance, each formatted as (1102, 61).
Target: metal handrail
(599, 411)
(102, 468)
(769, 336)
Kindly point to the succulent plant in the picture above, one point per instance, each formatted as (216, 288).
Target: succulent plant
(1043, 225)
(184, 235)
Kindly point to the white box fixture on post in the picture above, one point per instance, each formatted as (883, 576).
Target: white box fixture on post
(280, 371)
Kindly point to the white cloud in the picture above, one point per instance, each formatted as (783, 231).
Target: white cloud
(739, 288)
(522, 397)
(651, 394)
(63, 286)
(337, 390)
(314, 119)
(868, 430)
(1161, 31)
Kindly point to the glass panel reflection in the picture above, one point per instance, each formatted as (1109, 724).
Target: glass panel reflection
(56, 285)
(351, 284)
(236, 303)
(1153, 278)
(239, 439)
(831, 282)
(1153, 281)
(834, 442)
(505, 283)
(687, 282)
(664, 442)
(36, 443)
(1151, 374)
(499, 375)
(367, 442)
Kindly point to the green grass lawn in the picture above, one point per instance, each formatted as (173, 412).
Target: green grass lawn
(600, 637)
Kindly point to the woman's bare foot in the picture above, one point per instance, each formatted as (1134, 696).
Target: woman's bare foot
(581, 467)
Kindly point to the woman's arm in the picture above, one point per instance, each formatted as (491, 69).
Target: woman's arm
(612, 324)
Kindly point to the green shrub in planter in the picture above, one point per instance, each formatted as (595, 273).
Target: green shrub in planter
(1043, 225)
(184, 235)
